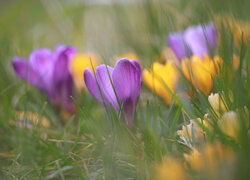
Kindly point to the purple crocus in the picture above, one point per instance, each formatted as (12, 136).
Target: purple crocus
(49, 72)
(196, 40)
(126, 78)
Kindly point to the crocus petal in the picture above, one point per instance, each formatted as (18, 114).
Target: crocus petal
(200, 39)
(177, 44)
(61, 70)
(91, 84)
(69, 51)
(20, 67)
(106, 86)
(26, 72)
(127, 82)
(211, 35)
(42, 61)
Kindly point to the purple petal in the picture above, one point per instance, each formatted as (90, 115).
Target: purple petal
(106, 86)
(199, 38)
(127, 82)
(177, 44)
(42, 60)
(20, 67)
(211, 35)
(91, 84)
(70, 51)
(60, 95)
(61, 70)
(26, 72)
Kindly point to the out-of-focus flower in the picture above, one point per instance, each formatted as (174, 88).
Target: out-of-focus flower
(230, 124)
(237, 27)
(161, 77)
(170, 169)
(79, 63)
(217, 103)
(200, 72)
(28, 119)
(196, 40)
(210, 158)
(126, 78)
(193, 132)
(49, 71)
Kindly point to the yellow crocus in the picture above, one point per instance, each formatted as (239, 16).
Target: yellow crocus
(237, 27)
(162, 78)
(200, 72)
(210, 158)
(170, 169)
(230, 124)
(217, 103)
(79, 63)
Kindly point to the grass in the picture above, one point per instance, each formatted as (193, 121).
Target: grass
(95, 144)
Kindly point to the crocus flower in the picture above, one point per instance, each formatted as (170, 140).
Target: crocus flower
(79, 63)
(161, 77)
(193, 133)
(49, 72)
(196, 40)
(201, 72)
(210, 158)
(170, 169)
(237, 27)
(217, 102)
(126, 78)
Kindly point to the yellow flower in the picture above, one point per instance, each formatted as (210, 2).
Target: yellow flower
(210, 158)
(170, 169)
(217, 103)
(200, 72)
(79, 63)
(160, 77)
(230, 124)
(193, 131)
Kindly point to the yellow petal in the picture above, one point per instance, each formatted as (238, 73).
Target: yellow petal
(160, 78)
(79, 63)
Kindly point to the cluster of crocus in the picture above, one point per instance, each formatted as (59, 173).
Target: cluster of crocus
(197, 40)
(239, 29)
(118, 87)
(207, 163)
(49, 71)
(192, 47)
(228, 121)
(194, 43)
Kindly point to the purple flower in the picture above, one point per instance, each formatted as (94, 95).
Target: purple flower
(196, 40)
(126, 78)
(49, 72)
